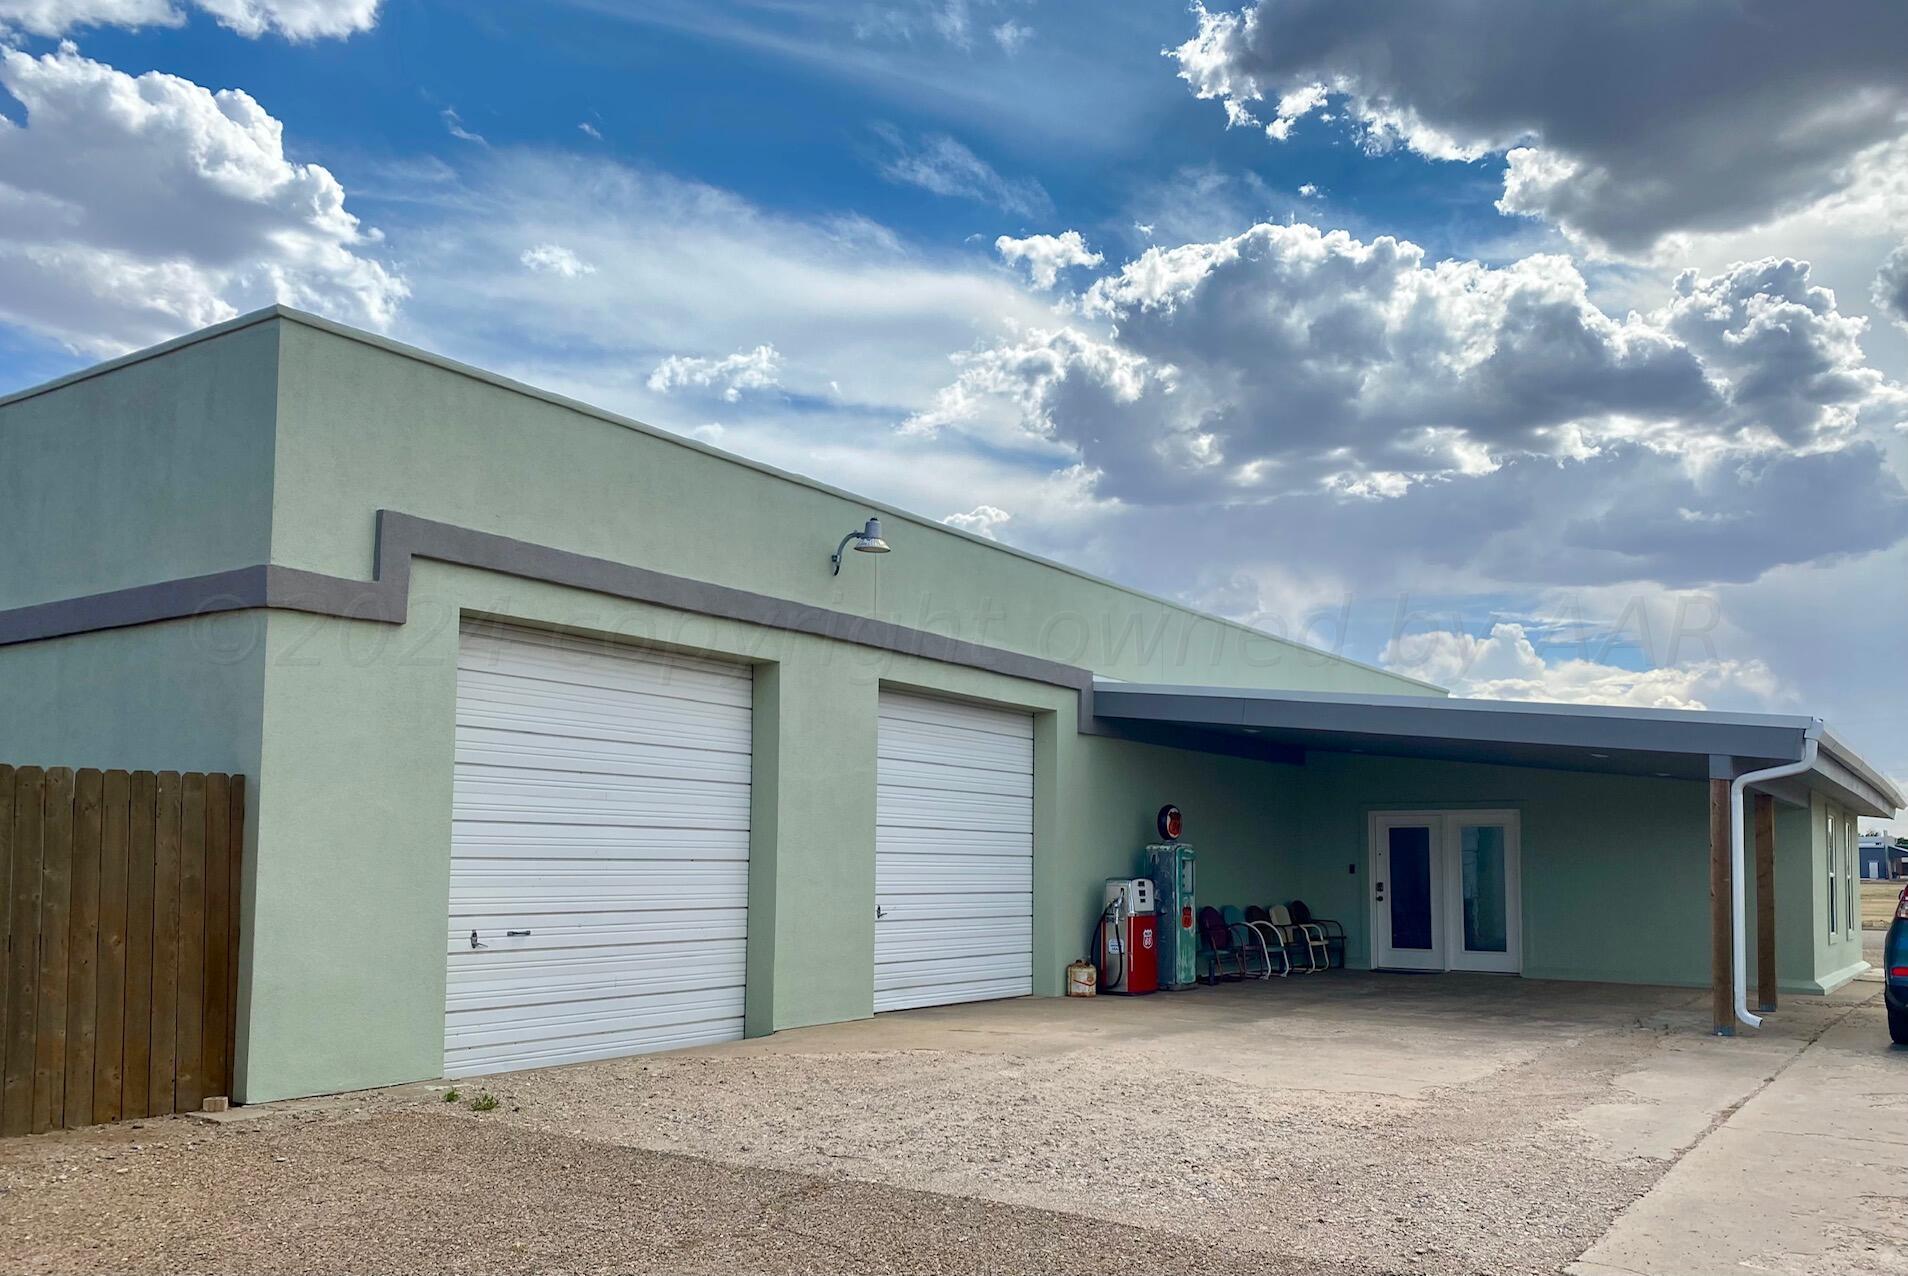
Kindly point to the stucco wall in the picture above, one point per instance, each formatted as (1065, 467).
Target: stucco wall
(1615, 874)
(147, 472)
(353, 855)
(364, 428)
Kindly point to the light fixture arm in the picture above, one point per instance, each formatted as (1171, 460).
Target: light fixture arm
(839, 549)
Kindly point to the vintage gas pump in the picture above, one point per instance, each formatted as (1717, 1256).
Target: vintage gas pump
(1128, 947)
(1170, 866)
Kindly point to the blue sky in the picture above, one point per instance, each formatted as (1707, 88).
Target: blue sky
(1537, 354)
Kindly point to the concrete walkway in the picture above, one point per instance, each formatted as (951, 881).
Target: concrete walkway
(1807, 1175)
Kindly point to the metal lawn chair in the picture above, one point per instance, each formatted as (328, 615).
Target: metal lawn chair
(1251, 942)
(1261, 923)
(1334, 932)
(1217, 945)
(1309, 939)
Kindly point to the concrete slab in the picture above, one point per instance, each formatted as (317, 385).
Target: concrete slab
(1808, 1177)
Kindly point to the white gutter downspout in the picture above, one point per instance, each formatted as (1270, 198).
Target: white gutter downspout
(1738, 898)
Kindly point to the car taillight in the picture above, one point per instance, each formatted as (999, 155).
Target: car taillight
(1898, 972)
(1901, 905)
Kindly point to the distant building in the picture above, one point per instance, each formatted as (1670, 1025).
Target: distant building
(1881, 859)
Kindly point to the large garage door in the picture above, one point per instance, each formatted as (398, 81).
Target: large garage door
(599, 851)
(953, 853)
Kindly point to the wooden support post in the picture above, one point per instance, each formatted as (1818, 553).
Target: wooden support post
(1765, 903)
(1722, 937)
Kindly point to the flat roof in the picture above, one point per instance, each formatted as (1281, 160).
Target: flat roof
(1613, 739)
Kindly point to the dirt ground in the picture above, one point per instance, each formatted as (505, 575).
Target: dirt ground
(1349, 1124)
(1878, 904)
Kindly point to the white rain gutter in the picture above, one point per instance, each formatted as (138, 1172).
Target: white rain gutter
(1738, 897)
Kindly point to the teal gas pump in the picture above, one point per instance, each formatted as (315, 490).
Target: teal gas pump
(1170, 865)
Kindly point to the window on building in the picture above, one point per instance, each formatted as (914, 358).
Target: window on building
(1834, 898)
(1851, 879)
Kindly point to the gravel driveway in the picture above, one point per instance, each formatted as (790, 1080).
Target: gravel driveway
(1347, 1124)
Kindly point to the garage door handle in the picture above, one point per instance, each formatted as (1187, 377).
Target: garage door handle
(515, 934)
(474, 943)
(880, 912)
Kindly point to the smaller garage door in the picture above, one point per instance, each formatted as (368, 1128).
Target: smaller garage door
(599, 851)
(953, 853)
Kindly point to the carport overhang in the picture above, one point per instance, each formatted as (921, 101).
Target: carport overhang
(1667, 743)
(1730, 752)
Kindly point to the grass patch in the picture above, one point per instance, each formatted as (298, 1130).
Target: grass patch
(485, 1102)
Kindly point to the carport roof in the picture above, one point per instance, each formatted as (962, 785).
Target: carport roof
(1675, 743)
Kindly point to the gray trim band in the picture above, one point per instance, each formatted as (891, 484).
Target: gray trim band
(386, 598)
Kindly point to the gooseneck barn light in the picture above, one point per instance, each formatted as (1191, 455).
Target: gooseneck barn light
(866, 541)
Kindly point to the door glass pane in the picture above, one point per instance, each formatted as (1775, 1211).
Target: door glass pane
(1410, 856)
(1486, 893)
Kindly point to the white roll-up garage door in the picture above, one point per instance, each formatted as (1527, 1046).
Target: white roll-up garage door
(953, 853)
(599, 851)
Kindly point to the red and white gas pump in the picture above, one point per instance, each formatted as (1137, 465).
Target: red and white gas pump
(1128, 944)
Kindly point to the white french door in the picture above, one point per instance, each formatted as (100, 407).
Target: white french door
(1446, 891)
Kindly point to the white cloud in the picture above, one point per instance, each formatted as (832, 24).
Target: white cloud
(1011, 35)
(454, 125)
(293, 19)
(1046, 256)
(1620, 126)
(939, 164)
(1295, 375)
(590, 130)
(1308, 191)
(1507, 665)
(982, 520)
(555, 259)
(841, 299)
(1285, 359)
(134, 209)
(1891, 286)
(755, 369)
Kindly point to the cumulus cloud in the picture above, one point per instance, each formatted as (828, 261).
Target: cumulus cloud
(981, 520)
(555, 259)
(1620, 125)
(1891, 286)
(292, 19)
(133, 209)
(1285, 365)
(1045, 256)
(755, 369)
(942, 165)
(1285, 359)
(1507, 665)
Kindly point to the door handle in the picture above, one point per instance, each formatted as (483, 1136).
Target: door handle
(515, 934)
(474, 943)
(880, 912)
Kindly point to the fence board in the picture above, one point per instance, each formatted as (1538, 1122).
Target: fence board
(143, 832)
(120, 910)
(235, 832)
(23, 956)
(6, 915)
(109, 1039)
(165, 949)
(82, 950)
(56, 887)
(218, 925)
(189, 1066)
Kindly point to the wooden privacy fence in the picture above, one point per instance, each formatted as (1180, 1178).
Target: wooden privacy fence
(120, 900)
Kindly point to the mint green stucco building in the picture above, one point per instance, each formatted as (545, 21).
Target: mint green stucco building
(564, 739)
